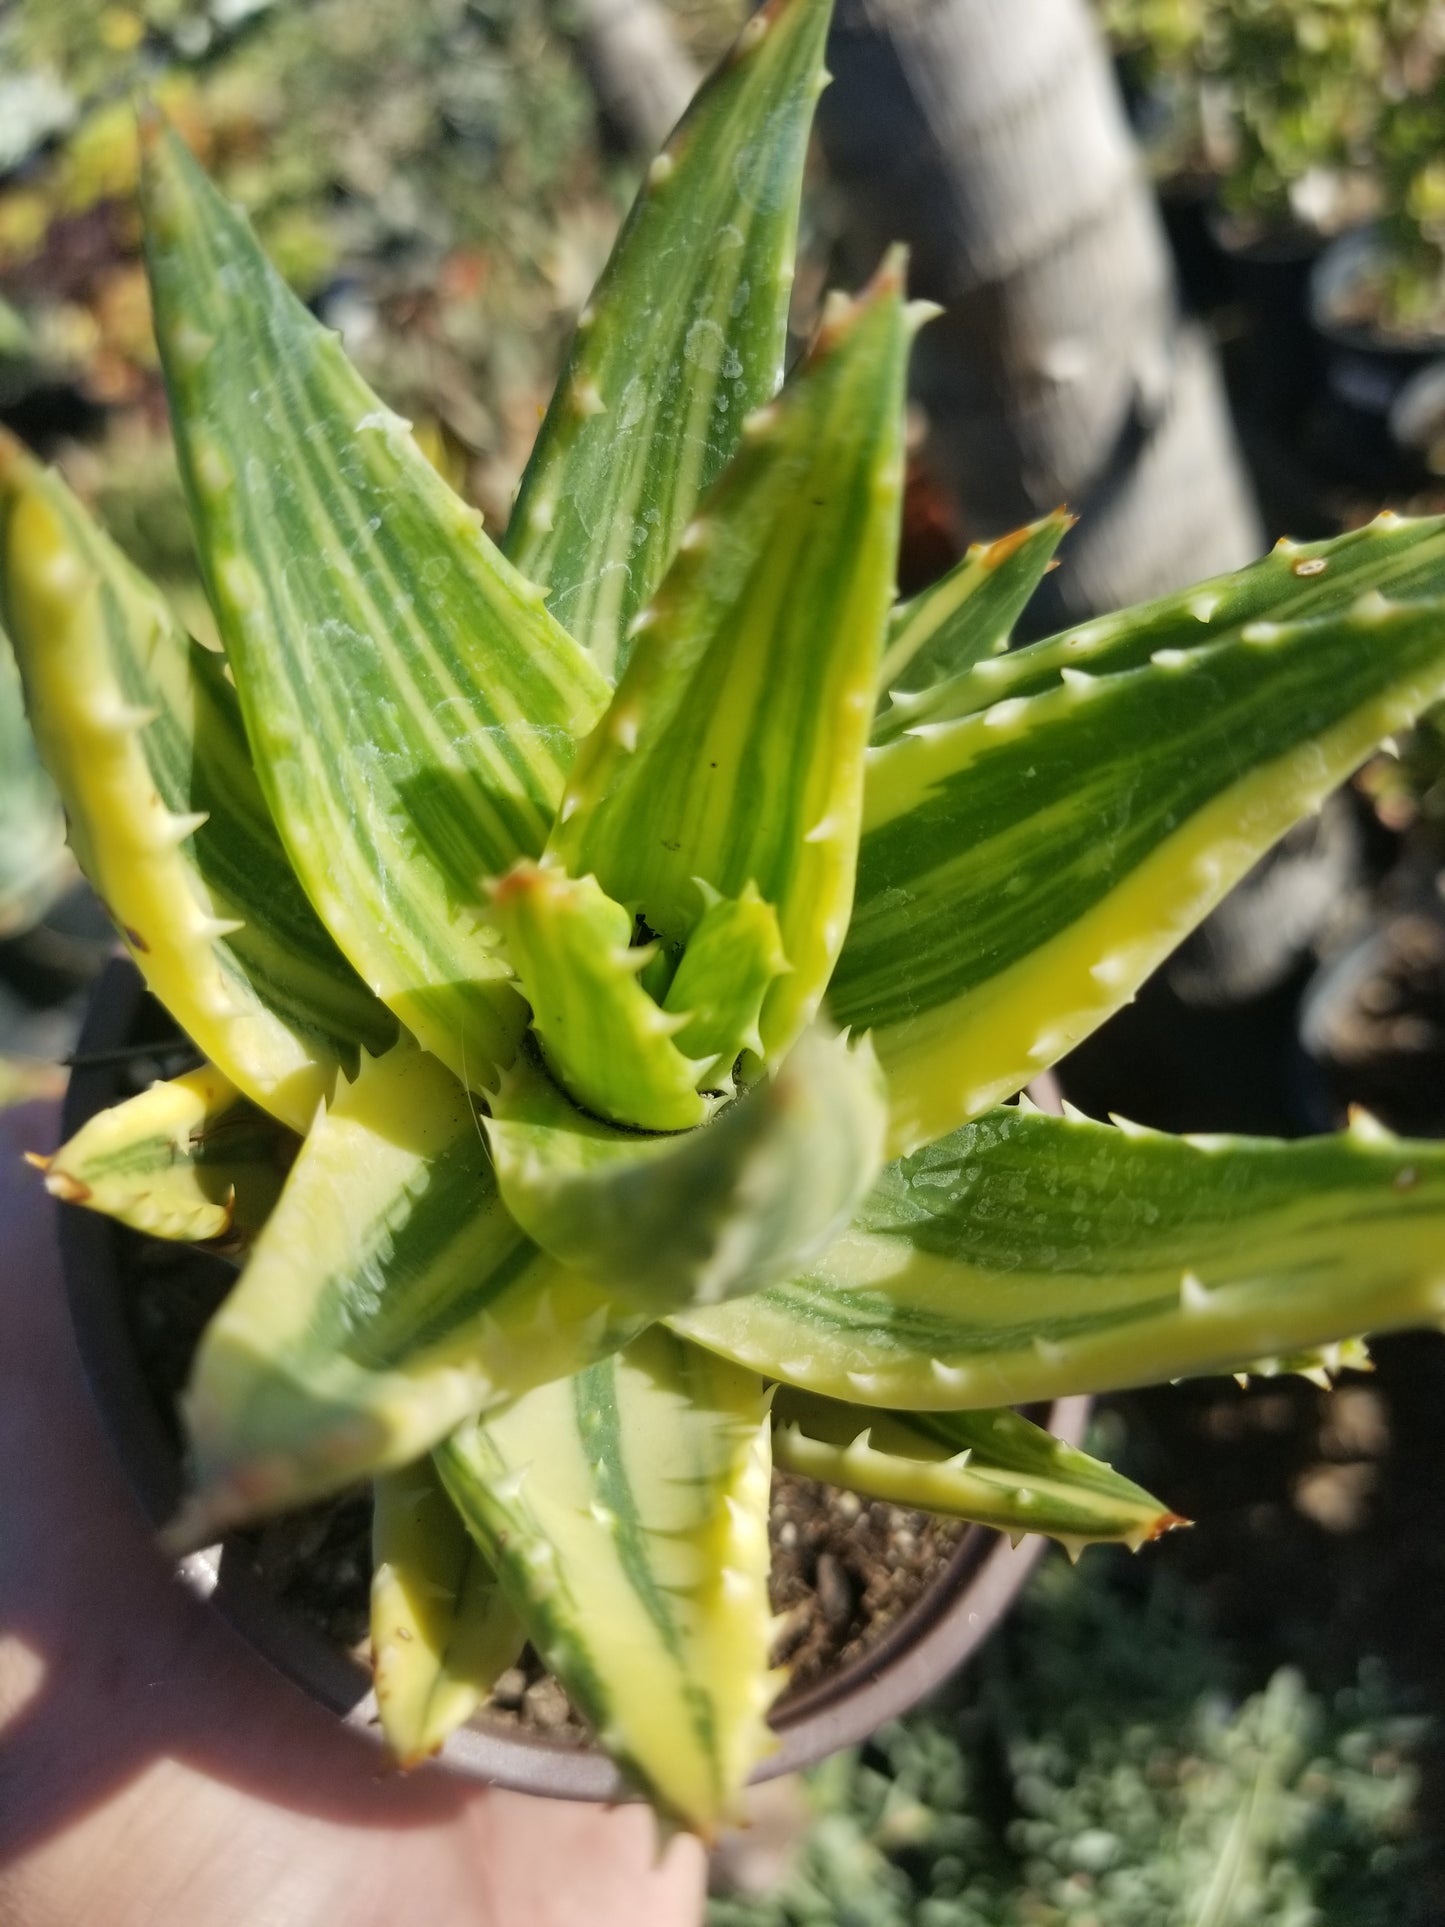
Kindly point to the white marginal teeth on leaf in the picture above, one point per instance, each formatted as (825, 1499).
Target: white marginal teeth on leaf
(1264, 633)
(586, 398)
(737, 1585)
(193, 344)
(123, 719)
(868, 1384)
(1193, 1294)
(1170, 658)
(950, 1377)
(209, 929)
(1365, 1126)
(1079, 680)
(213, 471)
(660, 170)
(509, 1486)
(1006, 714)
(1112, 970)
(917, 314)
(1073, 1113)
(1050, 1047)
(1202, 607)
(176, 828)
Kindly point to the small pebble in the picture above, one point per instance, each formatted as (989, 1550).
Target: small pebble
(510, 1688)
(847, 1505)
(546, 1704)
(835, 1591)
(787, 1533)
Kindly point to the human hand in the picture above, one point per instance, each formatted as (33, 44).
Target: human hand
(154, 1772)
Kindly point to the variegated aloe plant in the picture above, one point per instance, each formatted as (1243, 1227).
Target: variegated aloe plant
(611, 953)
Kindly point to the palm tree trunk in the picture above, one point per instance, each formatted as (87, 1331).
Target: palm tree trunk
(989, 135)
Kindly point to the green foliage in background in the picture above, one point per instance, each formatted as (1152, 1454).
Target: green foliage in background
(1312, 113)
(1101, 1775)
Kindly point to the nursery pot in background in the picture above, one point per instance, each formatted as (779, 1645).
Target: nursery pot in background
(1269, 275)
(911, 1656)
(1383, 395)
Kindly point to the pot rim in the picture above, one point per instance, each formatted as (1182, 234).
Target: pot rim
(1343, 260)
(915, 1654)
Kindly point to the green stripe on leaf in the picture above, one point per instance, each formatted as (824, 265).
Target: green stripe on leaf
(733, 748)
(994, 1468)
(964, 618)
(442, 1631)
(390, 1297)
(1026, 1257)
(190, 1159)
(1395, 556)
(1023, 869)
(411, 705)
(143, 736)
(626, 1512)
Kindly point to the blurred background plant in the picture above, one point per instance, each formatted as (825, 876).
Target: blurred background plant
(1306, 114)
(434, 178)
(1146, 1798)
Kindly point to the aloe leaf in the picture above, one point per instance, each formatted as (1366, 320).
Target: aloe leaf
(34, 864)
(142, 734)
(995, 1468)
(754, 670)
(410, 703)
(626, 1512)
(602, 1034)
(1027, 1257)
(668, 1222)
(733, 957)
(1023, 869)
(389, 1297)
(442, 1631)
(964, 618)
(683, 337)
(1396, 556)
(188, 1159)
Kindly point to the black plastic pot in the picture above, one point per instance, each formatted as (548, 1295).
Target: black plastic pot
(1382, 403)
(914, 1655)
(1269, 274)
